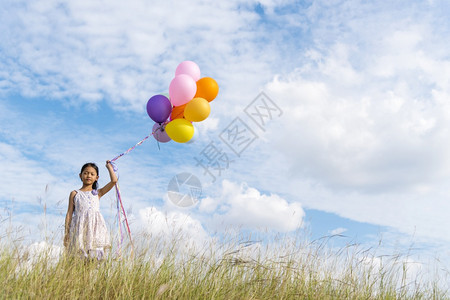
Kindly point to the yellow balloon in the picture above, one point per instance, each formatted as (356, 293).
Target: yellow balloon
(197, 110)
(180, 130)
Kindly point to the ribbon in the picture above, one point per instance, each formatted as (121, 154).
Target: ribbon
(120, 210)
(132, 148)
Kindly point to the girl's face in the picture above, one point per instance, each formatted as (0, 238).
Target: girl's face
(89, 175)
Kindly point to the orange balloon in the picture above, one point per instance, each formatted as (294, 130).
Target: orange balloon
(197, 110)
(207, 88)
(178, 112)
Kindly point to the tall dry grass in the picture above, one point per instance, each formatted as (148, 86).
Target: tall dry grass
(233, 267)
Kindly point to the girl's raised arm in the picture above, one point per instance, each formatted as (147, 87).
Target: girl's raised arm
(110, 184)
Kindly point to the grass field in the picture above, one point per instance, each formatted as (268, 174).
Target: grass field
(237, 267)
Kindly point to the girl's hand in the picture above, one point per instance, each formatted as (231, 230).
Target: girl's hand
(113, 181)
(110, 166)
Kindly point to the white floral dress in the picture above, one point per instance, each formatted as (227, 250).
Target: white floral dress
(88, 232)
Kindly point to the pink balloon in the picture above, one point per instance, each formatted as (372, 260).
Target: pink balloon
(182, 89)
(189, 68)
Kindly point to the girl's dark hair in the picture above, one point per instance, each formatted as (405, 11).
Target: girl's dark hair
(93, 165)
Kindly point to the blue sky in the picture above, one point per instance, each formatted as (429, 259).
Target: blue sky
(359, 149)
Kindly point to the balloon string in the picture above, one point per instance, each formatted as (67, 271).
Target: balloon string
(121, 211)
(119, 204)
(119, 222)
(132, 148)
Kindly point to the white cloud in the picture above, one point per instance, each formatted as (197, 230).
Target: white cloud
(240, 205)
(123, 53)
(366, 115)
(358, 141)
(37, 253)
(173, 226)
(21, 180)
(364, 131)
(338, 231)
(208, 205)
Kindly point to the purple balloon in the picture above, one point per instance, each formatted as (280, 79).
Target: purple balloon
(159, 108)
(160, 134)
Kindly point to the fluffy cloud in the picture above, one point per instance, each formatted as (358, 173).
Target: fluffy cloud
(26, 177)
(365, 126)
(240, 205)
(39, 252)
(361, 141)
(372, 119)
(173, 226)
(369, 115)
(122, 53)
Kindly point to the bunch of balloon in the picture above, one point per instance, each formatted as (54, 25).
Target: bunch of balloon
(188, 101)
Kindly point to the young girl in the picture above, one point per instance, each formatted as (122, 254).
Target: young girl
(85, 228)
